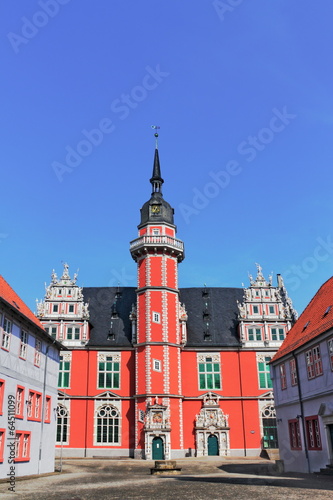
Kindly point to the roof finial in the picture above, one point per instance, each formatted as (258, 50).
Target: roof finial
(156, 127)
(156, 180)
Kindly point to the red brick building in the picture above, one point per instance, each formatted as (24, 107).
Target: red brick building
(162, 372)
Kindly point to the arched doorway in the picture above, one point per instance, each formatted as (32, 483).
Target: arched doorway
(212, 445)
(157, 449)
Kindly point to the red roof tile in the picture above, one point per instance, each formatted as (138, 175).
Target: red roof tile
(316, 318)
(8, 294)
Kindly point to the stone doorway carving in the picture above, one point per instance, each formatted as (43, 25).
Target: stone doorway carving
(211, 421)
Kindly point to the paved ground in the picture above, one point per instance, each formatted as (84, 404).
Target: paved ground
(91, 479)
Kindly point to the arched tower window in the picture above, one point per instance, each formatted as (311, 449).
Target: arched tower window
(107, 421)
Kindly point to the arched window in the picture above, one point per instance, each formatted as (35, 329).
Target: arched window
(107, 425)
(268, 416)
(62, 424)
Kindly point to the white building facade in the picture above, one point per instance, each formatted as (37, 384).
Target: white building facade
(29, 362)
(302, 374)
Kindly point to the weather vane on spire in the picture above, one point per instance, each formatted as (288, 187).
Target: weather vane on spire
(156, 127)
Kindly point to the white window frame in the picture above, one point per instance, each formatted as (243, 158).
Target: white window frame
(38, 352)
(157, 365)
(109, 408)
(6, 334)
(156, 317)
(24, 344)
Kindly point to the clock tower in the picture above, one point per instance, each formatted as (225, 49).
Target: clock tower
(159, 332)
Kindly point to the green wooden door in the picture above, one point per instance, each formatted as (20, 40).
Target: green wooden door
(213, 445)
(158, 448)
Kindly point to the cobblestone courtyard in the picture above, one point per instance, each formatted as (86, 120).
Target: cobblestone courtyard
(87, 479)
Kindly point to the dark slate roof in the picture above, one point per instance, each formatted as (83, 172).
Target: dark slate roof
(101, 309)
(220, 313)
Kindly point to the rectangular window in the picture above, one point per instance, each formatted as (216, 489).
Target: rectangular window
(255, 309)
(293, 372)
(313, 362)
(2, 443)
(19, 403)
(71, 308)
(37, 409)
(265, 381)
(255, 334)
(283, 378)
(29, 405)
(108, 374)
(157, 365)
(209, 374)
(64, 372)
(38, 348)
(277, 333)
(34, 406)
(51, 330)
(313, 433)
(7, 330)
(271, 310)
(141, 416)
(294, 434)
(22, 446)
(156, 317)
(317, 361)
(47, 414)
(23, 344)
(55, 308)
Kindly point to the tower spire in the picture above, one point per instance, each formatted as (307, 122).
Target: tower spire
(156, 179)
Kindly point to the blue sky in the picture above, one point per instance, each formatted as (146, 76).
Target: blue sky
(242, 92)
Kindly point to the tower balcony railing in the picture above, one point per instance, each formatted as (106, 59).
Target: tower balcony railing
(157, 240)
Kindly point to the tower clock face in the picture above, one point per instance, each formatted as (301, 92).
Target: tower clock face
(155, 209)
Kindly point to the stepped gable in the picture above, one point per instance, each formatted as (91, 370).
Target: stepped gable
(316, 318)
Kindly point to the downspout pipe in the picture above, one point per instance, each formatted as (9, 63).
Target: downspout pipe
(43, 405)
(302, 411)
(242, 402)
